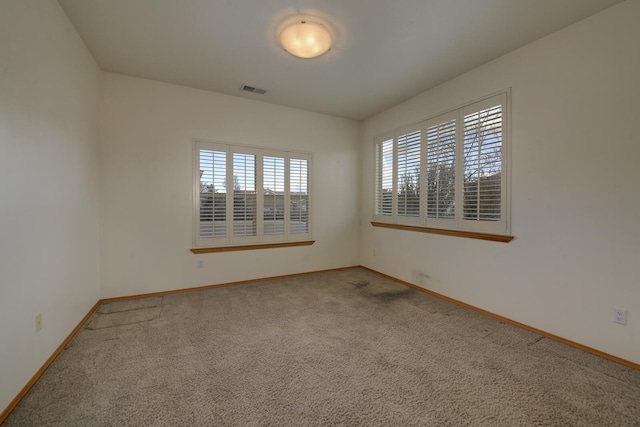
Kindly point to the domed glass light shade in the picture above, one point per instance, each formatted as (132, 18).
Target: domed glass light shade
(305, 37)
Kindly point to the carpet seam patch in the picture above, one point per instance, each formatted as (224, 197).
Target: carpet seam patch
(130, 309)
(98, 315)
(536, 341)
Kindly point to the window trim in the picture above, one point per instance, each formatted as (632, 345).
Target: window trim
(234, 248)
(261, 241)
(504, 238)
(457, 226)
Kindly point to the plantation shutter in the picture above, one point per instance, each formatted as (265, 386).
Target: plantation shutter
(244, 195)
(384, 178)
(448, 172)
(441, 169)
(273, 182)
(248, 195)
(211, 194)
(299, 206)
(408, 174)
(483, 176)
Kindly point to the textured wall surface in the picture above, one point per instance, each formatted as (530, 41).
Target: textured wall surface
(49, 100)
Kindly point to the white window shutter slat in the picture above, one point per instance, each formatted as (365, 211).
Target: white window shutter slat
(246, 195)
(483, 164)
(447, 172)
(441, 169)
(384, 178)
(408, 174)
(274, 195)
(298, 196)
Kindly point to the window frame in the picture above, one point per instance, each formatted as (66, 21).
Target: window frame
(200, 244)
(457, 225)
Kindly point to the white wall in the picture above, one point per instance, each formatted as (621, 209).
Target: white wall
(146, 155)
(49, 100)
(575, 195)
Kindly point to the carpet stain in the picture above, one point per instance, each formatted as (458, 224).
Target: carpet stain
(384, 363)
(387, 297)
(360, 284)
(383, 297)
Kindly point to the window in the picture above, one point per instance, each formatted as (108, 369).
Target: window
(246, 195)
(408, 174)
(448, 172)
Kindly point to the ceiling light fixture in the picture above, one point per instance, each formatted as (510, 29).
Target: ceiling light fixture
(305, 36)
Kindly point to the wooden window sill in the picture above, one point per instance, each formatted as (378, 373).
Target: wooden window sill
(252, 247)
(456, 233)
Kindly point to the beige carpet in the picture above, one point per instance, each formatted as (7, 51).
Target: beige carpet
(340, 348)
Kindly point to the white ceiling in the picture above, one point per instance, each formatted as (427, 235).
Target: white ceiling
(386, 51)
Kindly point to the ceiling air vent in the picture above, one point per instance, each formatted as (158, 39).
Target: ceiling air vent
(252, 89)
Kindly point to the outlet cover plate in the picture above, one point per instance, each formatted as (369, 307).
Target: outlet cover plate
(619, 315)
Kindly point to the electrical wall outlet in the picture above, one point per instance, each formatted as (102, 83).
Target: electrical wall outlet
(375, 252)
(38, 320)
(619, 315)
(200, 263)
